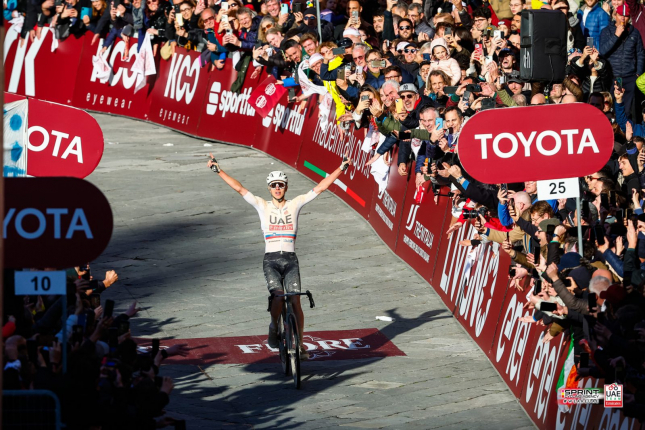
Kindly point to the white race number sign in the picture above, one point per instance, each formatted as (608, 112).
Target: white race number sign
(40, 283)
(558, 189)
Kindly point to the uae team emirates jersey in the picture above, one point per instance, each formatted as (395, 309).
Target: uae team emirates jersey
(279, 226)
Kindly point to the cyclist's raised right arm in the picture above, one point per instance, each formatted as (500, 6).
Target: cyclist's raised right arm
(232, 182)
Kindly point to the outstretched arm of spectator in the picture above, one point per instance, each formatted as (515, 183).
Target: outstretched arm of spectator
(388, 22)
(569, 300)
(505, 98)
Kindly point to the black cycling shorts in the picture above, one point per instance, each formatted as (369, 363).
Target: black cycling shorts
(281, 265)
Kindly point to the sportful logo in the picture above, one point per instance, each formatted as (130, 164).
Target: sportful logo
(543, 371)
(283, 118)
(518, 333)
(227, 101)
(182, 66)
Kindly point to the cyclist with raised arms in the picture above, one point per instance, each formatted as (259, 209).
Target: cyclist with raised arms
(279, 223)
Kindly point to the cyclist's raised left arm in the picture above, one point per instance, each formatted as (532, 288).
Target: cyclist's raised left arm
(325, 183)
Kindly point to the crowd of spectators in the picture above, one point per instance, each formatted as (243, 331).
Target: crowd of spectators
(109, 383)
(408, 75)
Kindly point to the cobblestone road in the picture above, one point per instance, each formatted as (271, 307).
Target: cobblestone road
(189, 249)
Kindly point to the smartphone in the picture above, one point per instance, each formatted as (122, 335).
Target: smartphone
(77, 334)
(95, 300)
(584, 360)
(497, 34)
(223, 6)
(338, 51)
(479, 49)
(604, 200)
(620, 216)
(179, 20)
(81, 319)
(158, 381)
(447, 31)
(354, 14)
(341, 74)
(537, 287)
(629, 213)
(113, 337)
(535, 250)
(474, 88)
(502, 78)
(296, 7)
(387, 43)
(427, 57)
(450, 90)
(124, 327)
(88, 273)
(399, 106)
(438, 123)
(511, 271)
(504, 187)
(599, 232)
(378, 63)
(466, 97)
(284, 8)
(292, 95)
(363, 98)
(32, 350)
(548, 306)
(359, 70)
(109, 308)
(155, 348)
(590, 42)
(550, 229)
(591, 300)
(619, 83)
(488, 103)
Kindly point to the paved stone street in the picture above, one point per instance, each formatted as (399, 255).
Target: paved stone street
(190, 249)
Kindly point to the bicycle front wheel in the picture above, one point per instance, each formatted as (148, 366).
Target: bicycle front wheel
(294, 350)
(282, 346)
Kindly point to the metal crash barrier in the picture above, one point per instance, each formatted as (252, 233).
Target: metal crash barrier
(30, 410)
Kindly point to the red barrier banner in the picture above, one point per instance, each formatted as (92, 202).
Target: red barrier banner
(114, 94)
(539, 389)
(34, 70)
(226, 115)
(528, 148)
(387, 206)
(63, 140)
(177, 98)
(322, 152)
(54, 222)
(280, 134)
(420, 230)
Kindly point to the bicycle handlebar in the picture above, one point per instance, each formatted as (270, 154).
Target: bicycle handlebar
(310, 296)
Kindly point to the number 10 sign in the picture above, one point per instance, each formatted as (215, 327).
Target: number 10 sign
(40, 283)
(558, 189)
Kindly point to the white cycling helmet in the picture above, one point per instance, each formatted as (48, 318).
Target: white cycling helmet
(277, 176)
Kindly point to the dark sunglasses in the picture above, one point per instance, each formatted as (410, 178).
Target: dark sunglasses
(408, 96)
(409, 51)
(405, 27)
(278, 185)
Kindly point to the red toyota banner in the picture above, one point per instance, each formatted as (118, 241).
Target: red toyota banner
(264, 98)
(534, 142)
(54, 222)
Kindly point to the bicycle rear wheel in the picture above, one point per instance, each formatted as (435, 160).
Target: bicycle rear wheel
(294, 350)
(282, 346)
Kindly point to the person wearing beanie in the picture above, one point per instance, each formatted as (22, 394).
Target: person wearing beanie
(441, 61)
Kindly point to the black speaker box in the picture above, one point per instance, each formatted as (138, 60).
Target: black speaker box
(543, 45)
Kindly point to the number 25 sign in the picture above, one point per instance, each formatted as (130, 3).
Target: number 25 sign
(558, 189)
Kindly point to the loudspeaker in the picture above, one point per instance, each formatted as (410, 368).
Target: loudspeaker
(543, 45)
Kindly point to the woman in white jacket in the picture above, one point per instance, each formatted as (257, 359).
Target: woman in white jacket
(441, 61)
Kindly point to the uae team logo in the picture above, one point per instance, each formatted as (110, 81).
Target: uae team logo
(614, 396)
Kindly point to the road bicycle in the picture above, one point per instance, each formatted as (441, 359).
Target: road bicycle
(288, 335)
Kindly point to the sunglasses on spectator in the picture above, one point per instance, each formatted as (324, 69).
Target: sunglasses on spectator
(310, 18)
(186, 9)
(405, 27)
(278, 185)
(360, 57)
(407, 96)
(266, 27)
(152, 1)
(409, 51)
(592, 178)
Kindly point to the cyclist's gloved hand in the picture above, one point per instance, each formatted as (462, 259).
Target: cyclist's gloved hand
(346, 162)
(213, 165)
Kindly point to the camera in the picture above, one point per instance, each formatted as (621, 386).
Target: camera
(474, 88)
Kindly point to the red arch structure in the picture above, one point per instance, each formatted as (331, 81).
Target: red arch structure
(473, 284)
